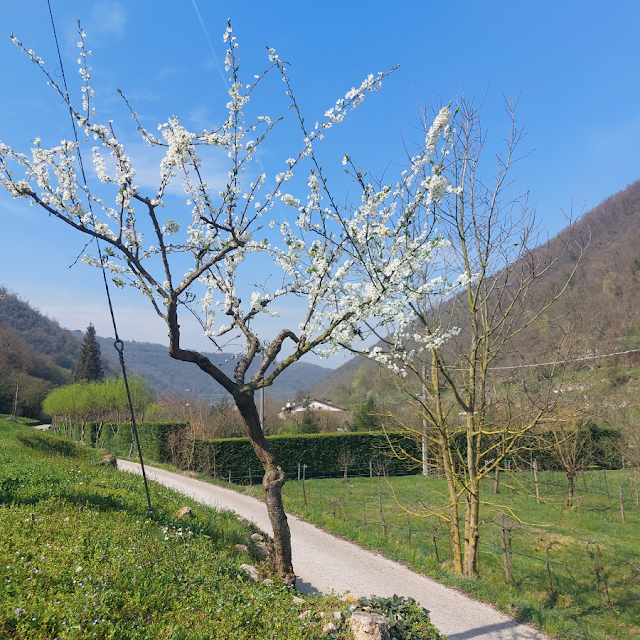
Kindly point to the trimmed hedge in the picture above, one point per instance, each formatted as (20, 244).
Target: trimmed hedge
(153, 439)
(605, 450)
(323, 453)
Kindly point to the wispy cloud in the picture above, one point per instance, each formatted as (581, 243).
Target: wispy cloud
(108, 19)
(199, 116)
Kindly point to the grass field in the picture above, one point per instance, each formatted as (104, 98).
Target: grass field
(589, 589)
(81, 557)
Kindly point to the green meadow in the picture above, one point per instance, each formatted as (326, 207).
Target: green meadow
(81, 557)
(574, 573)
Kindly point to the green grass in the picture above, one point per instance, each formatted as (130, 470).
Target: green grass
(27, 421)
(575, 609)
(80, 557)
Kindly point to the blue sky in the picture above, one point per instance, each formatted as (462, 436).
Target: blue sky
(573, 64)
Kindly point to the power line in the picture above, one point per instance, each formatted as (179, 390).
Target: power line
(554, 362)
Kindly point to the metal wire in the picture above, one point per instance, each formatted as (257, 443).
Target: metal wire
(118, 344)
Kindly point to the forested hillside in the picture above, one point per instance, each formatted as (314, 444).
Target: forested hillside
(36, 354)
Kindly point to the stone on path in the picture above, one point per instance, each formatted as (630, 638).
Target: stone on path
(369, 626)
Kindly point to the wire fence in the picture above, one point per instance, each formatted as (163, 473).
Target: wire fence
(594, 481)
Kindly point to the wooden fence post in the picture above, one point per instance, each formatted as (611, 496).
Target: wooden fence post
(505, 555)
(304, 493)
(380, 511)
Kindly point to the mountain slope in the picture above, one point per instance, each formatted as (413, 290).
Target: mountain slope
(36, 354)
(602, 302)
(166, 375)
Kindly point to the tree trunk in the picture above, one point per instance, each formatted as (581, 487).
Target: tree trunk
(473, 522)
(472, 515)
(571, 474)
(454, 518)
(272, 483)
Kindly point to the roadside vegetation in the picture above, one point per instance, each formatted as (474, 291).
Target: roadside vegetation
(574, 573)
(80, 557)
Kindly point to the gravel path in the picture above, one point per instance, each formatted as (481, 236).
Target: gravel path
(324, 563)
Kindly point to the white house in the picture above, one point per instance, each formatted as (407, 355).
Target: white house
(313, 404)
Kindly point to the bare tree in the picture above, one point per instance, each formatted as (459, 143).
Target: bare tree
(460, 360)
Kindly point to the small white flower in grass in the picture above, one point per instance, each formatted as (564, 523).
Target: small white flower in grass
(78, 569)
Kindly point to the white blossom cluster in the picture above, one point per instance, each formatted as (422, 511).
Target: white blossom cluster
(355, 266)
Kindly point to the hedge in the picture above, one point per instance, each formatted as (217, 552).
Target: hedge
(324, 454)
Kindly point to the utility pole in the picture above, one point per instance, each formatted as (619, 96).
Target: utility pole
(15, 402)
(425, 445)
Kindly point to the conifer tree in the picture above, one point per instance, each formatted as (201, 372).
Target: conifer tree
(308, 424)
(89, 368)
(366, 417)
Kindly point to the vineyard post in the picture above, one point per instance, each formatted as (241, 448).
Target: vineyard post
(503, 543)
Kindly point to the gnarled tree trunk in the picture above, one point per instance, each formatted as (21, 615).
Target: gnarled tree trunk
(272, 483)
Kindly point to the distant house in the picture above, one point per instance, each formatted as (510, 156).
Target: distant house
(314, 405)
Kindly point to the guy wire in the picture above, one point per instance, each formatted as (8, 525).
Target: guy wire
(118, 343)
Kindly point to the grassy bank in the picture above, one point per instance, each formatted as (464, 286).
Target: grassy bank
(589, 589)
(80, 557)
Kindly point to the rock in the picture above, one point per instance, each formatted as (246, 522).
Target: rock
(256, 537)
(264, 549)
(329, 628)
(242, 548)
(184, 512)
(243, 521)
(350, 598)
(267, 581)
(251, 571)
(298, 601)
(369, 626)
(337, 615)
(304, 615)
(109, 461)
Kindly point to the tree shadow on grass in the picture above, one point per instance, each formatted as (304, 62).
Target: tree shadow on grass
(53, 445)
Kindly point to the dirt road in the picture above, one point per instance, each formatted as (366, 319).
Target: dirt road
(324, 563)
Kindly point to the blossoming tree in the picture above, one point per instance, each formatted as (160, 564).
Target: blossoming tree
(351, 264)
